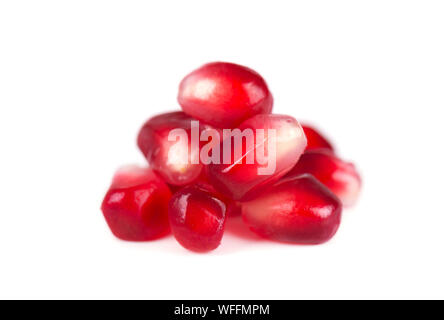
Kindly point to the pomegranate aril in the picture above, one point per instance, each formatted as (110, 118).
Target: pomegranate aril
(297, 210)
(224, 94)
(241, 177)
(315, 140)
(197, 218)
(339, 176)
(136, 205)
(177, 162)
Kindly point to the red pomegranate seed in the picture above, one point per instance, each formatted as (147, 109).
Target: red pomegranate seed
(136, 205)
(224, 94)
(315, 140)
(242, 176)
(298, 210)
(197, 218)
(172, 160)
(339, 176)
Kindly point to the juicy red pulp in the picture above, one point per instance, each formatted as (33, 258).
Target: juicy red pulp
(197, 218)
(172, 160)
(315, 140)
(339, 176)
(224, 94)
(298, 210)
(136, 205)
(239, 178)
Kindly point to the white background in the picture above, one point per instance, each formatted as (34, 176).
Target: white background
(78, 79)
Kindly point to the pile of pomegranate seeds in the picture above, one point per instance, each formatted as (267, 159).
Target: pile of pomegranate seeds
(226, 155)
